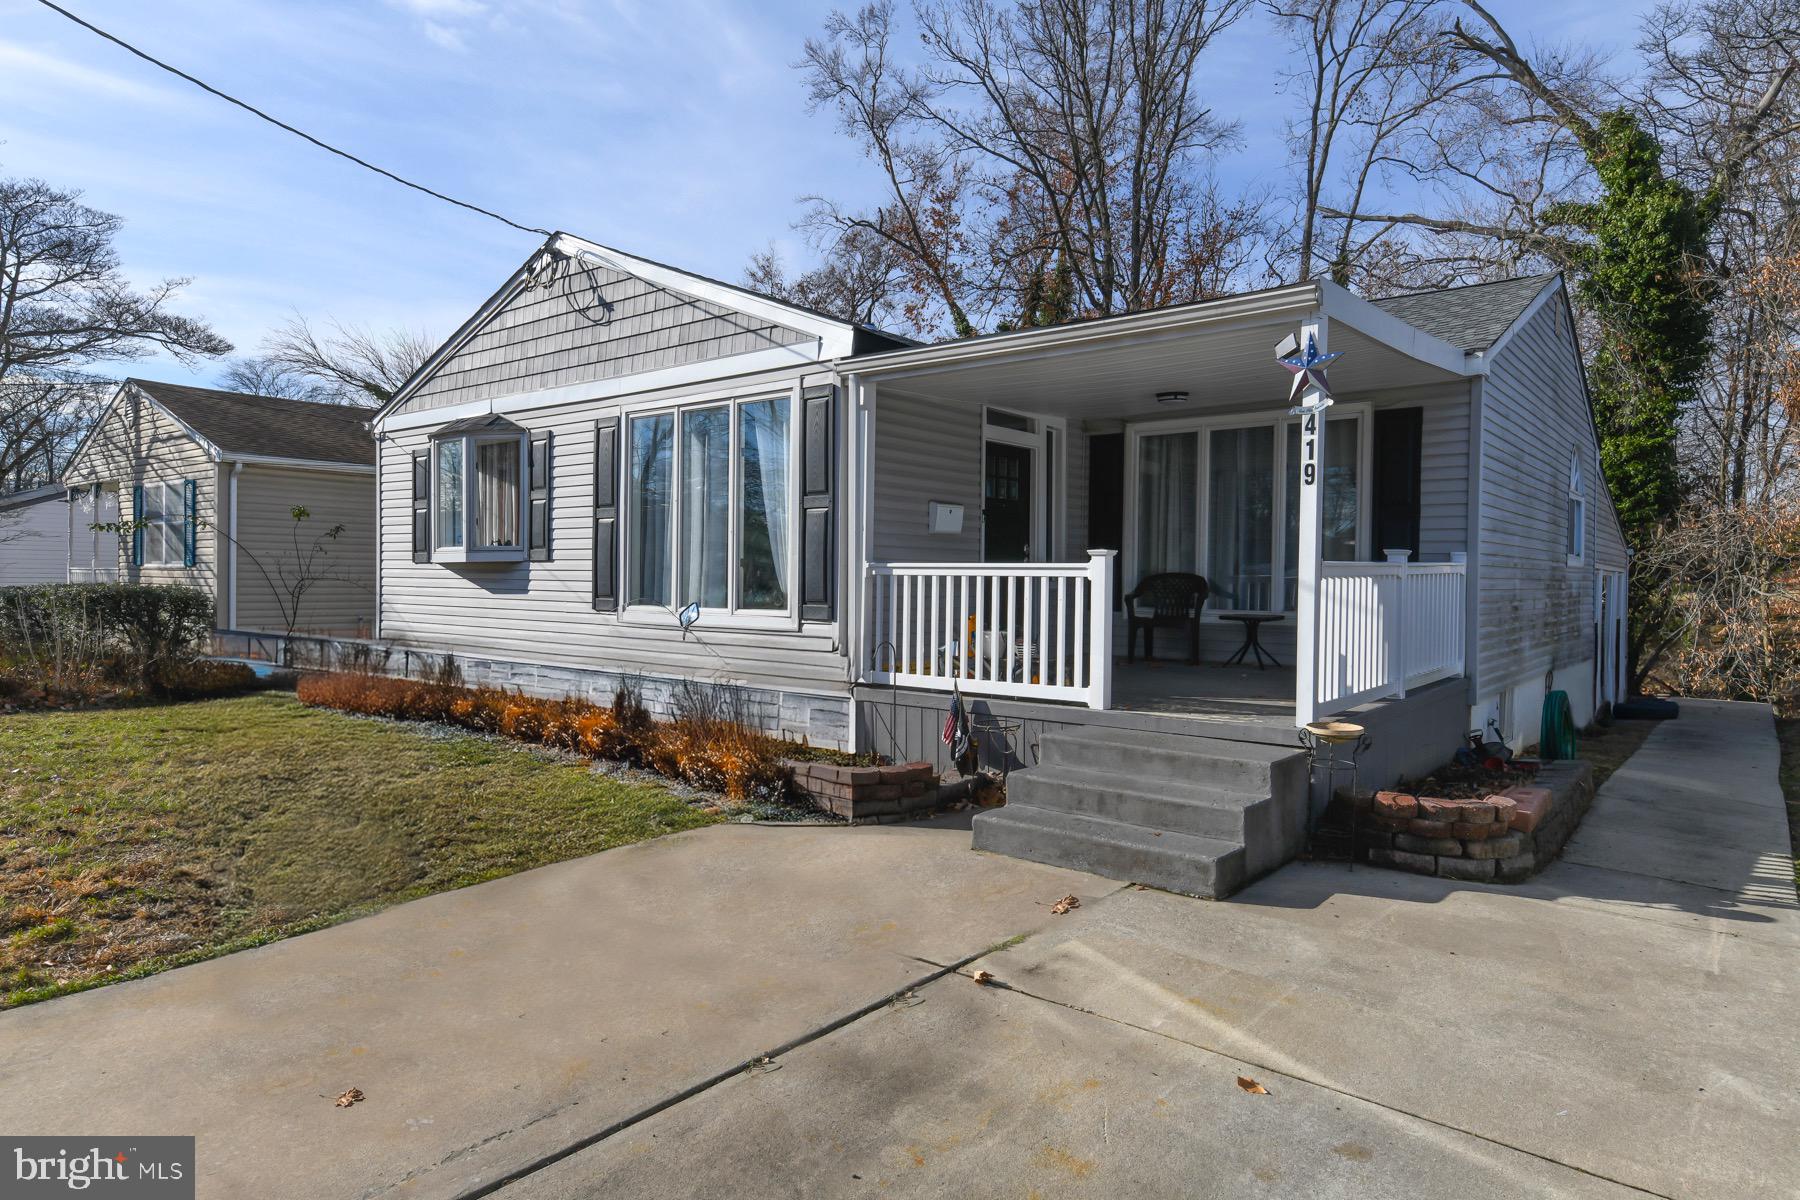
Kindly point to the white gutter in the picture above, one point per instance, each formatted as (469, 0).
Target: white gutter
(1302, 297)
(305, 464)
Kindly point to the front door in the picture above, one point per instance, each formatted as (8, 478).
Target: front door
(1006, 504)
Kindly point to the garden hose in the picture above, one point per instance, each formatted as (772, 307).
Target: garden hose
(1556, 740)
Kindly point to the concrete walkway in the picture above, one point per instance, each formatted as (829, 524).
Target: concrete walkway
(1623, 1026)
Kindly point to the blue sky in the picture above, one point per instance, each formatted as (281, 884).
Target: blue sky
(676, 129)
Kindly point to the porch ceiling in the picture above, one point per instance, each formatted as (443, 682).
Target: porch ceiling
(1217, 367)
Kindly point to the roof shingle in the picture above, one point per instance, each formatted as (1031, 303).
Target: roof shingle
(1471, 318)
(241, 423)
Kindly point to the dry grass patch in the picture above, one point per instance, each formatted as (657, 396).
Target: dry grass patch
(132, 840)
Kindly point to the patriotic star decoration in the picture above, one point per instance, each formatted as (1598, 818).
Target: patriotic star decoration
(1308, 370)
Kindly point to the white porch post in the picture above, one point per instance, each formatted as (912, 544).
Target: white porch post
(857, 516)
(1312, 501)
(1100, 626)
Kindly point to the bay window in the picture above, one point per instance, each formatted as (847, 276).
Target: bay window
(478, 505)
(709, 507)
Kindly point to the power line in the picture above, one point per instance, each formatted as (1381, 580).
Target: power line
(300, 133)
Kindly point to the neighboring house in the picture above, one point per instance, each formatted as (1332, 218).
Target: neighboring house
(865, 524)
(34, 545)
(215, 476)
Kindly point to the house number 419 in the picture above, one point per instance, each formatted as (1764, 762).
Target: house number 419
(1308, 471)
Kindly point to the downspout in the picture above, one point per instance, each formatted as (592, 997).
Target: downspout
(231, 570)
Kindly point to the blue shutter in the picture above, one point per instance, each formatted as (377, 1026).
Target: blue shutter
(137, 525)
(190, 525)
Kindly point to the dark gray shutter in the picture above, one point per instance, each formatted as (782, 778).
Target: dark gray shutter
(818, 480)
(421, 506)
(606, 515)
(1397, 459)
(538, 513)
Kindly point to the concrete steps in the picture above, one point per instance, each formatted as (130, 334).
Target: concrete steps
(1192, 814)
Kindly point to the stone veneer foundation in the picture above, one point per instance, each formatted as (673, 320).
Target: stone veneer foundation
(1504, 838)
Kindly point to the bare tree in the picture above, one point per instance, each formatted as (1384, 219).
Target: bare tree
(346, 365)
(857, 281)
(65, 304)
(1045, 159)
(1371, 74)
(264, 377)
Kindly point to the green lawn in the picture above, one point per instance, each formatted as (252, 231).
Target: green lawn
(132, 840)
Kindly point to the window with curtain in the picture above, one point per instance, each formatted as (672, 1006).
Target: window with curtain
(497, 493)
(709, 521)
(1168, 487)
(763, 504)
(1240, 534)
(1342, 503)
(706, 506)
(450, 487)
(649, 502)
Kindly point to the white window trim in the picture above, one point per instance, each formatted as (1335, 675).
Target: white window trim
(153, 530)
(1049, 479)
(1577, 495)
(729, 617)
(469, 552)
(1203, 426)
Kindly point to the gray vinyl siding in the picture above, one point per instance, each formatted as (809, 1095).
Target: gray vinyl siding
(925, 450)
(136, 443)
(1444, 476)
(1535, 610)
(540, 339)
(34, 542)
(342, 598)
(542, 612)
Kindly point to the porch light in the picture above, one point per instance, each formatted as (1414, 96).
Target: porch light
(1171, 397)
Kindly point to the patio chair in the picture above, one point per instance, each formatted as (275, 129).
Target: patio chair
(1174, 598)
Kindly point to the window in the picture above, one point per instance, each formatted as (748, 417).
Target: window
(709, 507)
(477, 495)
(1222, 498)
(165, 531)
(1576, 531)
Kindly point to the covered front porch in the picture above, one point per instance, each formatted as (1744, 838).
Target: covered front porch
(1017, 492)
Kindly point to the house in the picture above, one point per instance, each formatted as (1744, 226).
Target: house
(200, 488)
(617, 470)
(33, 542)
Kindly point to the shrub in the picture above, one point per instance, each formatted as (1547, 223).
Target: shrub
(79, 640)
(708, 744)
(200, 678)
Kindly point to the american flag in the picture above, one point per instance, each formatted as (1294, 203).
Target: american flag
(956, 726)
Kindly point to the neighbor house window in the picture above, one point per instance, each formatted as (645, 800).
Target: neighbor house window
(709, 506)
(477, 494)
(1576, 532)
(165, 524)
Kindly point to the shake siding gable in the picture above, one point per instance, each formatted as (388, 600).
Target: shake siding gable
(592, 324)
(1535, 610)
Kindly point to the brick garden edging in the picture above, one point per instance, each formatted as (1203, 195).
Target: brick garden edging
(864, 794)
(1503, 838)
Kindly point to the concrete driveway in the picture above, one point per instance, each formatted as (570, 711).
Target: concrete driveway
(1623, 1026)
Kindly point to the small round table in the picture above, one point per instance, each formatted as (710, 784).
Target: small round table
(1252, 622)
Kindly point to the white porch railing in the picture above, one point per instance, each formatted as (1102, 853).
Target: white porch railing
(1042, 630)
(1386, 627)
